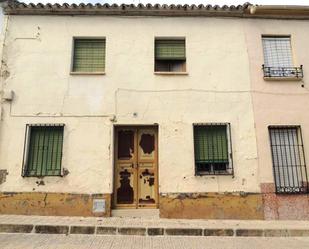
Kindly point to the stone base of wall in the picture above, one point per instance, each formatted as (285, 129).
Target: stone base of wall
(59, 204)
(212, 206)
(266, 205)
(284, 206)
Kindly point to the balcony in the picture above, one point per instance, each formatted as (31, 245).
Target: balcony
(283, 73)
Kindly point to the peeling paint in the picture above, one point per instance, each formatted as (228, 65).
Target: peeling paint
(125, 193)
(147, 143)
(40, 183)
(212, 206)
(62, 204)
(283, 206)
(125, 144)
(3, 174)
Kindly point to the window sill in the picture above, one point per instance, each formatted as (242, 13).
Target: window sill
(87, 73)
(41, 176)
(214, 174)
(282, 78)
(171, 73)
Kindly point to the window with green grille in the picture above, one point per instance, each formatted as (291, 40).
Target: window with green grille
(212, 149)
(170, 55)
(89, 55)
(43, 150)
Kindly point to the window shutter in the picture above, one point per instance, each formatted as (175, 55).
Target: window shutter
(54, 151)
(35, 152)
(170, 50)
(277, 51)
(211, 144)
(89, 55)
(45, 151)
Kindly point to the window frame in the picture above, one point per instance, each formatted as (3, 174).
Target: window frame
(184, 62)
(288, 73)
(230, 167)
(27, 140)
(72, 72)
(301, 154)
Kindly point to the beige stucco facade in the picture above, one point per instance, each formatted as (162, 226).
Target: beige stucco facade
(223, 84)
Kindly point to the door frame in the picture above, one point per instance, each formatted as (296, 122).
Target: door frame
(115, 142)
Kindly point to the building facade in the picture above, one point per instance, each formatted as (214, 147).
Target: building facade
(166, 108)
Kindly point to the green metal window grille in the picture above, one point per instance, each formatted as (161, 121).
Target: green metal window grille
(170, 50)
(89, 55)
(43, 150)
(211, 149)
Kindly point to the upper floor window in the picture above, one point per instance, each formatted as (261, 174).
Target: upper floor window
(278, 59)
(288, 159)
(43, 150)
(212, 149)
(170, 55)
(88, 56)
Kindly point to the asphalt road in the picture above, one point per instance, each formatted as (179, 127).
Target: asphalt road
(42, 241)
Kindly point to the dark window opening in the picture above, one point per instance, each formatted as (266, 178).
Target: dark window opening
(170, 55)
(170, 66)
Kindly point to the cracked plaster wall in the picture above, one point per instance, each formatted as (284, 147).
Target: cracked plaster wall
(216, 89)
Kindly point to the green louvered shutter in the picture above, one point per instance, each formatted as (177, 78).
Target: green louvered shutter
(170, 50)
(45, 151)
(211, 144)
(89, 55)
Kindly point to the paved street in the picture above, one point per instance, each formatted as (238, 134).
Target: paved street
(43, 241)
(152, 222)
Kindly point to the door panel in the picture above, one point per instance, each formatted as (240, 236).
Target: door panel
(125, 184)
(147, 170)
(125, 148)
(125, 168)
(146, 188)
(136, 181)
(146, 145)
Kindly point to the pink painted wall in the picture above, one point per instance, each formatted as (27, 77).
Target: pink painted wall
(278, 103)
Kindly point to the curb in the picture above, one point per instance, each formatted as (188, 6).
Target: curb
(150, 231)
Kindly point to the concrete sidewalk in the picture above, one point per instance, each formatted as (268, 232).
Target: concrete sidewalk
(151, 226)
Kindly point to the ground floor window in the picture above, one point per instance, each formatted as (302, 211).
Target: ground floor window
(212, 149)
(288, 159)
(43, 150)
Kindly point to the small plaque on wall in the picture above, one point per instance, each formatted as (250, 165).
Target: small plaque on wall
(98, 206)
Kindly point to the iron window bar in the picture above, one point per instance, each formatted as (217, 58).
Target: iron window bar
(288, 157)
(43, 141)
(221, 160)
(283, 72)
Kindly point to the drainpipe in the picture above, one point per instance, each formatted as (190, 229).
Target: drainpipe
(285, 8)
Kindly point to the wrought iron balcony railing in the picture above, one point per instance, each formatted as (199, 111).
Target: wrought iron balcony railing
(283, 72)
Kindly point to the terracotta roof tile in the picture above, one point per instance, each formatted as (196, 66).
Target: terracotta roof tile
(247, 10)
(16, 7)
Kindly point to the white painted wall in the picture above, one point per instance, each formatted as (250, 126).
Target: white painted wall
(216, 89)
(3, 19)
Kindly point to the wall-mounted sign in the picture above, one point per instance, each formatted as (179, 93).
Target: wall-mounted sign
(98, 206)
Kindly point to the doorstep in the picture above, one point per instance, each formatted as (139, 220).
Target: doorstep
(151, 227)
(136, 213)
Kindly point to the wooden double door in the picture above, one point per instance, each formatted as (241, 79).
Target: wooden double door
(136, 167)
